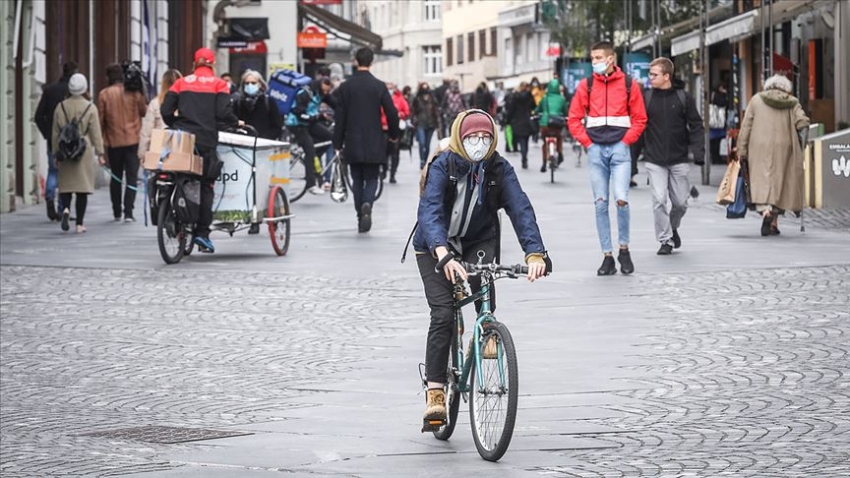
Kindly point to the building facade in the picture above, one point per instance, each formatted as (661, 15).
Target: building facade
(471, 40)
(38, 36)
(411, 29)
(524, 50)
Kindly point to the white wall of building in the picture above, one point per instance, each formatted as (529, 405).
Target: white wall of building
(412, 27)
(522, 45)
(283, 29)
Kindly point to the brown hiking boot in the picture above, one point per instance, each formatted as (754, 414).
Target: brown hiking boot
(436, 406)
(491, 349)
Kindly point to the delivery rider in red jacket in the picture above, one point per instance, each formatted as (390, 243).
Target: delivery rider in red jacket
(200, 104)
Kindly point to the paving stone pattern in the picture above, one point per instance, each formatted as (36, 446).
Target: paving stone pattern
(749, 378)
(114, 349)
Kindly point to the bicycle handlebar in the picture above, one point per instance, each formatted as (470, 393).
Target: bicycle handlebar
(512, 270)
(517, 269)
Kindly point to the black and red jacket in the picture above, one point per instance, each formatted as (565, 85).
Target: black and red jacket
(609, 118)
(200, 104)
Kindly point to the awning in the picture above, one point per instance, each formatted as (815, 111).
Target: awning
(645, 41)
(336, 25)
(733, 29)
(686, 26)
(685, 43)
(747, 24)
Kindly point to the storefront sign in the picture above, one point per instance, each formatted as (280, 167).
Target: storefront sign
(312, 37)
(574, 73)
(251, 48)
(637, 66)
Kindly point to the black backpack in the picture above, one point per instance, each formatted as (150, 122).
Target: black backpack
(72, 143)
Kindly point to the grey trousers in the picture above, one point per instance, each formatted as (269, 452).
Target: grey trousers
(668, 182)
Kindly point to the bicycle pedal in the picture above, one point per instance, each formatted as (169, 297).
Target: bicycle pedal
(432, 425)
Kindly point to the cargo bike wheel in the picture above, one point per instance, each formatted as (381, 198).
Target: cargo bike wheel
(171, 234)
(278, 220)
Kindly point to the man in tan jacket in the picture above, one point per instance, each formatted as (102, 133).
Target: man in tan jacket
(121, 114)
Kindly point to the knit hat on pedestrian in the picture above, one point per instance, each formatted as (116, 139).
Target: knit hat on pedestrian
(205, 54)
(78, 84)
(476, 122)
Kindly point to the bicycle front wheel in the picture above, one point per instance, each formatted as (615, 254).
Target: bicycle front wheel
(297, 178)
(452, 396)
(493, 396)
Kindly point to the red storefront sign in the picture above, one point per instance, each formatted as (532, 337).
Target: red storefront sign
(253, 47)
(312, 37)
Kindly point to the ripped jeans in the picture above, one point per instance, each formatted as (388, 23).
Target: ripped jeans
(610, 168)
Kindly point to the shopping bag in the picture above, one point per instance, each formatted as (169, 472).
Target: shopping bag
(738, 209)
(726, 191)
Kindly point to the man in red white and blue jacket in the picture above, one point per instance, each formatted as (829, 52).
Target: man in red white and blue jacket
(200, 104)
(606, 117)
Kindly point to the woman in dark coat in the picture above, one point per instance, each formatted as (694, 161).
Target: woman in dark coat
(426, 117)
(253, 106)
(519, 117)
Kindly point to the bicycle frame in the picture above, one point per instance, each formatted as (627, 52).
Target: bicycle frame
(484, 316)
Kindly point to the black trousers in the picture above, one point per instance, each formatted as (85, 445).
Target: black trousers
(210, 174)
(305, 140)
(364, 183)
(80, 206)
(438, 292)
(393, 149)
(124, 162)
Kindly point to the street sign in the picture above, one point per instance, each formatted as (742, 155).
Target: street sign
(312, 37)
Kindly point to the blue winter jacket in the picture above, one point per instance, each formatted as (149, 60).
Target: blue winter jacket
(435, 211)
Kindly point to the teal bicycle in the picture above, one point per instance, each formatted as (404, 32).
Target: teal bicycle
(486, 376)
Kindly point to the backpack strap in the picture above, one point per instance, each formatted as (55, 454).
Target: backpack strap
(647, 98)
(83, 116)
(451, 188)
(62, 105)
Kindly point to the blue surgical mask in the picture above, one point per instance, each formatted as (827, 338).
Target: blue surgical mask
(252, 89)
(600, 68)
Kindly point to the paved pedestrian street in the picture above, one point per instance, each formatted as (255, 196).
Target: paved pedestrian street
(728, 358)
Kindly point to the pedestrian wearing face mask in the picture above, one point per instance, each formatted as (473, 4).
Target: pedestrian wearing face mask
(616, 117)
(253, 106)
(462, 193)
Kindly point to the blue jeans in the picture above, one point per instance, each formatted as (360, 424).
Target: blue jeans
(423, 137)
(610, 167)
(329, 156)
(52, 177)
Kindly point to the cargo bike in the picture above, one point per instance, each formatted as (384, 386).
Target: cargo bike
(250, 191)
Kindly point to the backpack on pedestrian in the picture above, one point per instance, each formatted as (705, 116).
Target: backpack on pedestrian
(72, 143)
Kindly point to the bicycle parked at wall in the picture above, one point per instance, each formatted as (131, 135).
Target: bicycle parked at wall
(487, 374)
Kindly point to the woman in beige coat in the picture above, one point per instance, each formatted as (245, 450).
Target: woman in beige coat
(76, 176)
(153, 118)
(769, 140)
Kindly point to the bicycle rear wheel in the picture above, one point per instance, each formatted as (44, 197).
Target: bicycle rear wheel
(493, 401)
(452, 397)
(170, 233)
(297, 177)
(279, 229)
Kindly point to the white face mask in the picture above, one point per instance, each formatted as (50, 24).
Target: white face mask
(476, 148)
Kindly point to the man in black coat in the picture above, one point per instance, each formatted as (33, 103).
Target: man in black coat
(358, 134)
(51, 96)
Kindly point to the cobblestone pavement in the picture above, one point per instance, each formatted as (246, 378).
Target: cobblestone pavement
(112, 349)
(749, 378)
(729, 357)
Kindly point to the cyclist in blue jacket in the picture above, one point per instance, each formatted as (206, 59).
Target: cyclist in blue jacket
(462, 191)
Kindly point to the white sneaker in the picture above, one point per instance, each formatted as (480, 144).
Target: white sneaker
(317, 190)
(326, 186)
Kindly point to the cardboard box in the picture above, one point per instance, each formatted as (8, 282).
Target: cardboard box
(175, 140)
(176, 162)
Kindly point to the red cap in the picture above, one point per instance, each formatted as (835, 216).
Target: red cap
(205, 54)
(476, 122)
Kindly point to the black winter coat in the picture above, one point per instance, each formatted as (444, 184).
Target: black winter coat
(672, 128)
(519, 114)
(260, 112)
(358, 131)
(51, 96)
